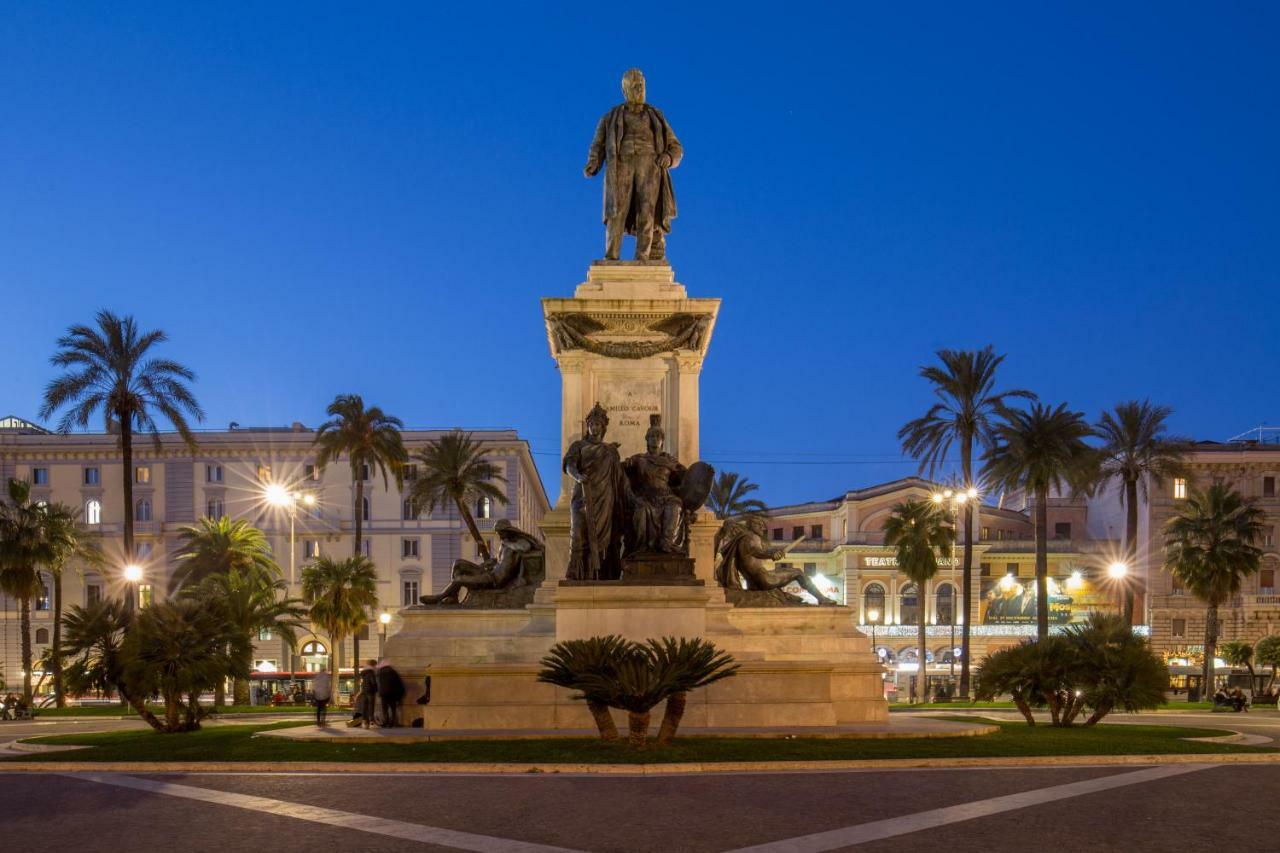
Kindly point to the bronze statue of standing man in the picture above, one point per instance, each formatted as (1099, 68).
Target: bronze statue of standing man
(598, 506)
(637, 148)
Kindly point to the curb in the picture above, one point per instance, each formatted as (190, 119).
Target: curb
(463, 768)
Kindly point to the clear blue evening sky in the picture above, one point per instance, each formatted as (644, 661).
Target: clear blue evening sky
(314, 199)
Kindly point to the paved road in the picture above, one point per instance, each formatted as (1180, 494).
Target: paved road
(1173, 807)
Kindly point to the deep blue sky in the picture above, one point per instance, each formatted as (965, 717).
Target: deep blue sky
(318, 199)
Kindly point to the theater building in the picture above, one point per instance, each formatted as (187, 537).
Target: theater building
(229, 474)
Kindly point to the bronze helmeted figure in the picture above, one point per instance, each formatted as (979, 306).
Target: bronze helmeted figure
(743, 568)
(505, 581)
(637, 148)
(662, 496)
(597, 510)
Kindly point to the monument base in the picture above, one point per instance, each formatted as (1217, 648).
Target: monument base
(800, 666)
(658, 568)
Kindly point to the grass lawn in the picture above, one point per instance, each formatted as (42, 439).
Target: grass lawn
(237, 743)
(120, 711)
(936, 707)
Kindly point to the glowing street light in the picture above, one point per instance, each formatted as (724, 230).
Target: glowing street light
(133, 573)
(385, 618)
(281, 497)
(1117, 570)
(873, 616)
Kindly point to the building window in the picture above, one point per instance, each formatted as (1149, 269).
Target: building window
(1179, 628)
(264, 473)
(1062, 530)
(42, 636)
(144, 550)
(815, 531)
(364, 472)
(777, 534)
(43, 599)
(943, 605)
(366, 548)
(1268, 487)
(215, 508)
(363, 633)
(408, 511)
(142, 474)
(142, 510)
(409, 473)
(484, 508)
(409, 548)
(309, 473)
(1179, 488)
(364, 508)
(92, 594)
(146, 595)
(39, 476)
(311, 549)
(408, 592)
(1175, 585)
(93, 511)
(908, 605)
(213, 473)
(873, 604)
(1011, 569)
(1267, 581)
(264, 634)
(985, 534)
(797, 532)
(91, 477)
(984, 570)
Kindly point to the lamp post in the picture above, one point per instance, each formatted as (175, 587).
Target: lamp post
(280, 497)
(873, 616)
(1119, 572)
(385, 618)
(132, 576)
(955, 501)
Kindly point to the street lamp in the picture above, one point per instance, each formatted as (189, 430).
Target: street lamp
(955, 500)
(133, 576)
(280, 497)
(1119, 572)
(873, 616)
(385, 618)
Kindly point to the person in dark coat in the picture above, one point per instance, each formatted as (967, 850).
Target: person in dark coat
(368, 692)
(391, 692)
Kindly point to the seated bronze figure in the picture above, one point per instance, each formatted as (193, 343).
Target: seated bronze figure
(743, 568)
(518, 565)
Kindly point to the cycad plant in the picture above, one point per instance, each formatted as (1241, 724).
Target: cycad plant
(1114, 668)
(964, 417)
(454, 468)
(567, 662)
(919, 531)
(633, 685)
(1040, 451)
(341, 592)
(113, 369)
(686, 664)
(1209, 548)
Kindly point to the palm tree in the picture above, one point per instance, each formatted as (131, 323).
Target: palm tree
(1209, 549)
(454, 469)
(64, 538)
(919, 531)
(371, 440)
(729, 496)
(341, 592)
(220, 546)
(95, 640)
(252, 605)
(1240, 653)
(1039, 451)
(113, 370)
(1135, 449)
(964, 417)
(22, 550)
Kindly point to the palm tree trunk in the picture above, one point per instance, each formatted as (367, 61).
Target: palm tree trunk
(1210, 648)
(24, 619)
(604, 720)
(59, 687)
(1021, 703)
(220, 693)
(1130, 547)
(1098, 714)
(139, 705)
(671, 717)
(1042, 564)
(126, 450)
(481, 547)
(240, 691)
(358, 550)
(966, 577)
(924, 651)
(637, 728)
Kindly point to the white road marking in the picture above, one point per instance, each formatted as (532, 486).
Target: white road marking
(862, 833)
(331, 817)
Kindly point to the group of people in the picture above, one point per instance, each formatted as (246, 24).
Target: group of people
(13, 707)
(375, 681)
(1235, 699)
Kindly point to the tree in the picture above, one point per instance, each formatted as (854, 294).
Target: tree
(95, 638)
(1039, 451)
(371, 440)
(220, 546)
(1209, 548)
(341, 592)
(112, 370)
(1239, 653)
(686, 664)
(728, 496)
(1136, 449)
(22, 550)
(964, 417)
(454, 468)
(919, 531)
(64, 538)
(1267, 653)
(252, 604)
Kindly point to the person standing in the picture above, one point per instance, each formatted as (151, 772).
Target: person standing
(322, 691)
(368, 692)
(391, 691)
